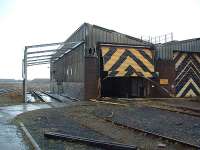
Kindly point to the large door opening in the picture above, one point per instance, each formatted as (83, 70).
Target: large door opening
(125, 87)
(125, 70)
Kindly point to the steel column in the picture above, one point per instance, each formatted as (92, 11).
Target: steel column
(25, 75)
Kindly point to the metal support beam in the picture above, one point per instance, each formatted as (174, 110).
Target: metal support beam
(37, 63)
(34, 60)
(39, 56)
(45, 45)
(63, 48)
(25, 75)
(45, 51)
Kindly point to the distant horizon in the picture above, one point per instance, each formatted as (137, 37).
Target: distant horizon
(29, 79)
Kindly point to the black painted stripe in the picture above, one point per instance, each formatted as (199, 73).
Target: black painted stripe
(130, 71)
(139, 62)
(185, 70)
(177, 57)
(146, 56)
(112, 73)
(109, 54)
(121, 59)
(189, 87)
(197, 64)
(124, 56)
(183, 63)
(186, 79)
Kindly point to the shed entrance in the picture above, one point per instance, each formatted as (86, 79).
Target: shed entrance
(187, 81)
(123, 68)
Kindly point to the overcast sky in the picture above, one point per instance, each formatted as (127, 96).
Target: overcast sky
(27, 22)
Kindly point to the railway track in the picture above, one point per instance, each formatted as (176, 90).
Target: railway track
(6, 91)
(43, 97)
(162, 106)
(153, 134)
(178, 109)
(91, 142)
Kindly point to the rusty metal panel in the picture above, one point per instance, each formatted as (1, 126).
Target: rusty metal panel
(166, 71)
(92, 84)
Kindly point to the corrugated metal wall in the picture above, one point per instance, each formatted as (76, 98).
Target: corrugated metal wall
(165, 51)
(70, 70)
(109, 36)
(91, 34)
(70, 67)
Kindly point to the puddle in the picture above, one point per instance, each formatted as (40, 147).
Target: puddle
(10, 135)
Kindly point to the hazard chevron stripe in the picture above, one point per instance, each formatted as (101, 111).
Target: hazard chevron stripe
(190, 93)
(189, 71)
(120, 61)
(190, 82)
(197, 57)
(187, 81)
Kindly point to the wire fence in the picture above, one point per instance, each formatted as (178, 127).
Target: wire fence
(158, 39)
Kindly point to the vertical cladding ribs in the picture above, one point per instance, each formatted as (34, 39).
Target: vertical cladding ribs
(120, 61)
(187, 80)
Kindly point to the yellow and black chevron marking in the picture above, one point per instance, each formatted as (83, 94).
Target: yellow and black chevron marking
(119, 61)
(187, 80)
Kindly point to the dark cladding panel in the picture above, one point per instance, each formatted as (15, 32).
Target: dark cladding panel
(103, 35)
(165, 51)
(166, 70)
(91, 78)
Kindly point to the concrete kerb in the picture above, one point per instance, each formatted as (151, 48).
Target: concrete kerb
(31, 139)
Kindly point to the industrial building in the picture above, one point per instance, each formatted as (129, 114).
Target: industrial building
(178, 62)
(107, 63)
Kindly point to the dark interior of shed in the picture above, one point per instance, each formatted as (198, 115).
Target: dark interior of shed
(123, 87)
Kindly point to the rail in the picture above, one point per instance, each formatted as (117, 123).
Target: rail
(152, 133)
(92, 142)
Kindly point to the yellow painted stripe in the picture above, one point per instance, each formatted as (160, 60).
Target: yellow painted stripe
(185, 74)
(142, 59)
(130, 62)
(190, 93)
(148, 52)
(104, 50)
(183, 70)
(186, 85)
(121, 73)
(115, 57)
(180, 60)
(197, 58)
(175, 55)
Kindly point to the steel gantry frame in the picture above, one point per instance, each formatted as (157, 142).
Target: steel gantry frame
(42, 57)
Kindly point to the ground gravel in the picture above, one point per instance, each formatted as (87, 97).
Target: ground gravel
(175, 125)
(37, 122)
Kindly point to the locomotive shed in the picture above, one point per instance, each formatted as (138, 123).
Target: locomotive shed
(112, 64)
(123, 76)
(108, 63)
(97, 62)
